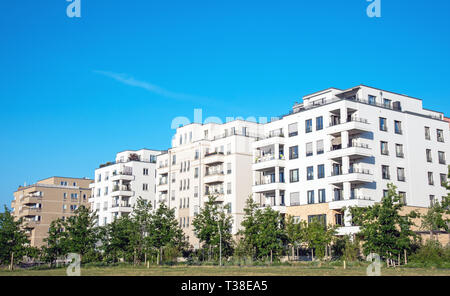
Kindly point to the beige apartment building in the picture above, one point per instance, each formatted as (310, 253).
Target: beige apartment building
(47, 200)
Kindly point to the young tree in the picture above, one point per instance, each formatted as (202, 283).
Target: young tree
(271, 236)
(295, 232)
(13, 240)
(207, 224)
(250, 228)
(318, 236)
(80, 234)
(142, 220)
(383, 229)
(164, 231)
(55, 247)
(116, 240)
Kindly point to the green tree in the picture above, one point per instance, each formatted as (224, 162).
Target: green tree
(383, 229)
(207, 223)
(14, 242)
(54, 247)
(116, 240)
(140, 229)
(164, 231)
(249, 230)
(80, 234)
(271, 235)
(318, 236)
(295, 232)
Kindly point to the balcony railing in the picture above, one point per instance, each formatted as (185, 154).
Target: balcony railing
(352, 119)
(121, 188)
(268, 157)
(214, 173)
(214, 153)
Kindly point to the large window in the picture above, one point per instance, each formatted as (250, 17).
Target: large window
(295, 199)
(320, 171)
(308, 125)
(309, 149)
(427, 133)
(384, 148)
(398, 127)
(440, 135)
(310, 173)
(383, 124)
(430, 178)
(441, 155)
(319, 147)
(322, 196)
(319, 123)
(428, 154)
(319, 218)
(310, 196)
(293, 129)
(372, 100)
(401, 174)
(385, 172)
(293, 152)
(399, 150)
(293, 175)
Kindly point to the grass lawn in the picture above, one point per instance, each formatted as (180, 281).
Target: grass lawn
(181, 270)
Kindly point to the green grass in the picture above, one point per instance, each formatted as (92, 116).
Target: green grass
(300, 269)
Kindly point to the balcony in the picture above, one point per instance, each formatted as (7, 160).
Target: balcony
(271, 139)
(264, 186)
(125, 176)
(281, 208)
(121, 207)
(163, 169)
(214, 158)
(355, 125)
(214, 177)
(25, 212)
(347, 230)
(122, 191)
(356, 202)
(356, 150)
(30, 224)
(353, 176)
(268, 161)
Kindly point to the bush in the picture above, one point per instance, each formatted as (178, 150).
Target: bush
(432, 253)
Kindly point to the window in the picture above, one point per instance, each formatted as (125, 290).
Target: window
(309, 149)
(197, 154)
(387, 103)
(399, 150)
(145, 187)
(308, 125)
(310, 196)
(293, 175)
(441, 155)
(339, 219)
(174, 159)
(229, 188)
(443, 178)
(440, 135)
(145, 172)
(372, 100)
(428, 153)
(402, 197)
(295, 198)
(319, 218)
(401, 174)
(319, 147)
(173, 177)
(320, 171)
(398, 127)
(384, 148)
(385, 172)
(293, 130)
(432, 200)
(427, 133)
(322, 196)
(319, 123)
(310, 173)
(383, 124)
(293, 152)
(430, 178)
(196, 173)
(229, 168)
(195, 191)
(65, 194)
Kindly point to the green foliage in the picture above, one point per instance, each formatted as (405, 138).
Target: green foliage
(346, 249)
(318, 236)
(13, 240)
(263, 232)
(432, 253)
(382, 227)
(207, 223)
(55, 247)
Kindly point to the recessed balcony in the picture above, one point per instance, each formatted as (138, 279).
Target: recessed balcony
(354, 125)
(355, 151)
(261, 187)
(214, 158)
(357, 202)
(124, 207)
(347, 230)
(269, 140)
(353, 176)
(122, 191)
(124, 176)
(214, 178)
(268, 161)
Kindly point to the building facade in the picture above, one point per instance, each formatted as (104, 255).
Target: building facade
(117, 185)
(47, 200)
(341, 148)
(207, 159)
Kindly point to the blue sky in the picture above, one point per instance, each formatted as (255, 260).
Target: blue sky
(75, 91)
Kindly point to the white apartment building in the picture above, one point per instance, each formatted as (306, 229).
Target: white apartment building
(118, 184)
(207, 159)
(341, 148)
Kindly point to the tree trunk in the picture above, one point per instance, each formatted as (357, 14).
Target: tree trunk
(11, 266)
(406, 260)
(345, 265)
(271, 256)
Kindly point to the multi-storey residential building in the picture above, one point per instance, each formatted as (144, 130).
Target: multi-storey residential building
(47, 200)
(118, 184)
(341, 148)
(207, 159)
